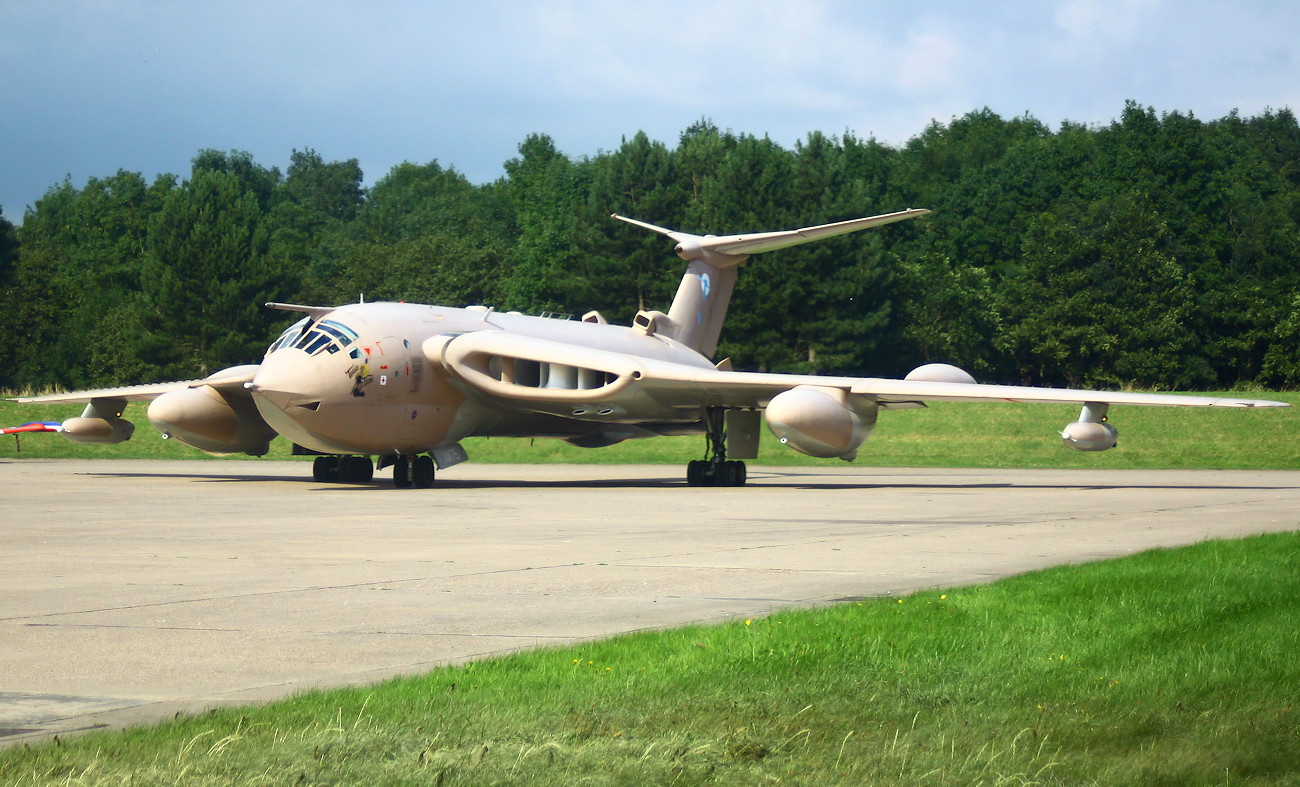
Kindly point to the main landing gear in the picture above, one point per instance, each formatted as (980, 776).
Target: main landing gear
(410, 471)
(333, 469)
(716, 470)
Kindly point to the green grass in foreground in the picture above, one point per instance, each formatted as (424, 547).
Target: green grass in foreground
(1170, 667)
(943, 435)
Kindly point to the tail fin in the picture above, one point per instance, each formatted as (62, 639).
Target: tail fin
(697, 313)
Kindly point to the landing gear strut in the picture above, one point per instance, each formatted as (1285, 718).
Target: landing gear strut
(716, 470)
(416, 471)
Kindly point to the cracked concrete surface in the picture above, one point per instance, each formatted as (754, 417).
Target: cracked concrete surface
(133, 590)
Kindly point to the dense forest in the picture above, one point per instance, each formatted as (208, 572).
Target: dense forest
(1159, 251)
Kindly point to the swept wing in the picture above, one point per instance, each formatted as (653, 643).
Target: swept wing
(490, 362)
(230, 380)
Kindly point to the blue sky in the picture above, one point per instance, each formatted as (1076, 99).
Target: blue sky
(87, 88)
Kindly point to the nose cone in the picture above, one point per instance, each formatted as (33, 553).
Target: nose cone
(288, 390)
(288, 378)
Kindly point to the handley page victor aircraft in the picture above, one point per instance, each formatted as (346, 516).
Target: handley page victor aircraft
(407, 382)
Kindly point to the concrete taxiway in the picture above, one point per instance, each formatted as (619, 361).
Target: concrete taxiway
(131, 590)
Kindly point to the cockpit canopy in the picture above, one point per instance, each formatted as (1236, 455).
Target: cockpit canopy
(328, 336)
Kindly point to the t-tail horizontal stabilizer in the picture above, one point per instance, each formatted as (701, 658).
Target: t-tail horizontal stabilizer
(700, 306)
(728, 250)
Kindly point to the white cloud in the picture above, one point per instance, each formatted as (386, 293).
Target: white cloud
(1106, 23)
(932, 62)
(145, 84)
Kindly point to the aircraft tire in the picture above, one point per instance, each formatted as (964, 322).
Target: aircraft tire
(356, 469)
(695, 472)
(422, 471)
(735, 473)
(402, 472)
(326, 469)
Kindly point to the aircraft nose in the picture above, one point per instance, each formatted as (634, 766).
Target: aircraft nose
(289, 379)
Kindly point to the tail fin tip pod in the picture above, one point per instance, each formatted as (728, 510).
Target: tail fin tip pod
(700, 306)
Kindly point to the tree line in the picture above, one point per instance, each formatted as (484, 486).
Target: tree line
(1158, 251)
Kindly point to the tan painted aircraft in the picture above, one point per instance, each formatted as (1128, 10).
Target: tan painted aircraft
(408, 382)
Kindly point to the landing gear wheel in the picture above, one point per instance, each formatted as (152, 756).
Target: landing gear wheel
(356, 469)
(402, 472)
(717, 470)
(422, 471)
(695, 470)
(733, 474)
(325, 469)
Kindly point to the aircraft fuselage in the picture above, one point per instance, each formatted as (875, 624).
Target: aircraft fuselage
(360, 379)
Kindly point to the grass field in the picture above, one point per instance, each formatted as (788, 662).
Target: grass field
(943, 435)
(1169, 667)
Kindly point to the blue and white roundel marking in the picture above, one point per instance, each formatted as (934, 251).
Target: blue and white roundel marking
(704, 286)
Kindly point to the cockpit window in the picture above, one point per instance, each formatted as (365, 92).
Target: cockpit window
(326, 336)
(314, 342)
(343, 333)
(290, 334)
